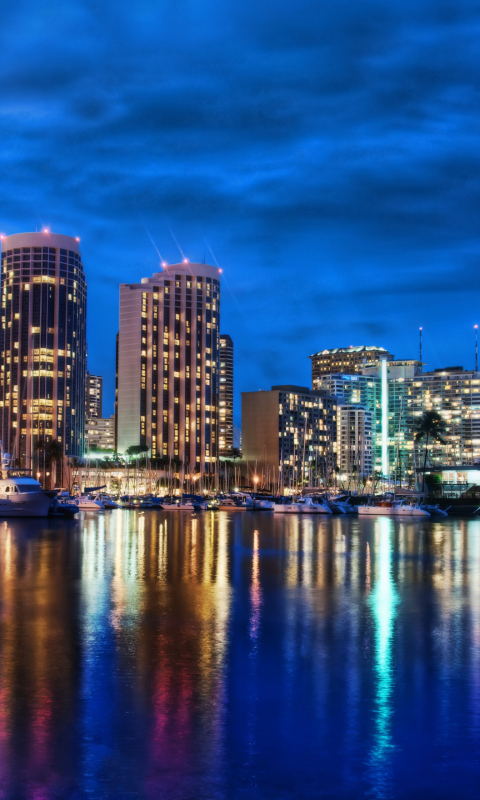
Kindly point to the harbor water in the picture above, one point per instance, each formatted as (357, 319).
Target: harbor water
(171, 655)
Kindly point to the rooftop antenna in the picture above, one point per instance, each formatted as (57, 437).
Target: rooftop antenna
(476, 347)
(420, 332)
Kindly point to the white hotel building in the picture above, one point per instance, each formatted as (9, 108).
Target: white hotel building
(168, 365)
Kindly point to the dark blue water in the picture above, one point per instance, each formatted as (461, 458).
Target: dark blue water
(234, 655)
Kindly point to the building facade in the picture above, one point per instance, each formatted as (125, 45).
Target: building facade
(168, 365)
(42, 345)
(345, 359)
(100, 434)
(289, 437)
(226, 396)
(354, 440)
(93, 396)
(398, 394)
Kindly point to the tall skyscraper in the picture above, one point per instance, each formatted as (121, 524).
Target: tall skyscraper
(42, 344)
(168, 365)
(226, 396)
(94, 396)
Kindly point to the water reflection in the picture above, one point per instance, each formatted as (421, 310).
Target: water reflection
(383, 599)
(232, 655)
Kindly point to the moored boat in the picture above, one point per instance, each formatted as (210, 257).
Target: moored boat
(392, 508)
(287, 506)
(86, 503)
(310, 506)
(229, 504)
(23, 496)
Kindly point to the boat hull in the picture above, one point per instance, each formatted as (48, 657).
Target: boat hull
(382, 511)
(30, 504)
(291, 508)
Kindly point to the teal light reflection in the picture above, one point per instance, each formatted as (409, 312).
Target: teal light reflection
(383, 600)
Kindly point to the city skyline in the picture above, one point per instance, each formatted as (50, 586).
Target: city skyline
(300, 366)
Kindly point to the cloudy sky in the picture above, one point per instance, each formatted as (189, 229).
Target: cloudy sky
(325, 154)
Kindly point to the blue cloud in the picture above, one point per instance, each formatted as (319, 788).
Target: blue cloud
(328, 153)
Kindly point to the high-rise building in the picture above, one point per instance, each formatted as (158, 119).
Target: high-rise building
(226, 396)
(397, 394)
(100, 433)
(345, 359)
(354, 440)
(42, 344)
(289, 436)
(93, 396)
(116, 394)
(168, 365)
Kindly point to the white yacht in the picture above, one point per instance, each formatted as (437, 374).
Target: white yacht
(23, 497)
(309, 506)
(86, 503)
(392, 508)
(287, 507)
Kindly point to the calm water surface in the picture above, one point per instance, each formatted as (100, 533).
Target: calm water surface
(235, 655)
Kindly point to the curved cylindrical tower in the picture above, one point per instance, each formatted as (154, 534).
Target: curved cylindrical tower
(42, 344)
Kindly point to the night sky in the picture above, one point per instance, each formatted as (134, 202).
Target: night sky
(325, 154)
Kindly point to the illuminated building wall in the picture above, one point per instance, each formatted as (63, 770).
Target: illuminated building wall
(354, 439)
(42, 344)
(168, 364)
(363, 391)
(100, 433)
(289, 431)
(226, 396)
(454, 393)
(93, 396)
(345, 359)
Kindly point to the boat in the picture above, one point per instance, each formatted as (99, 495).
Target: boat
(287, 506)
(23, 496)
(310, 506)
(259, 504)
(434, 510)
(392, 508)
(341, 505)
(86, 503)
(63, 505)
(185, 505)
(229, 504)
(107, 501)
(20, 494)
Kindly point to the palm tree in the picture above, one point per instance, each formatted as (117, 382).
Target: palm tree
(54, 453)
(429, 426)
(235, 453)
